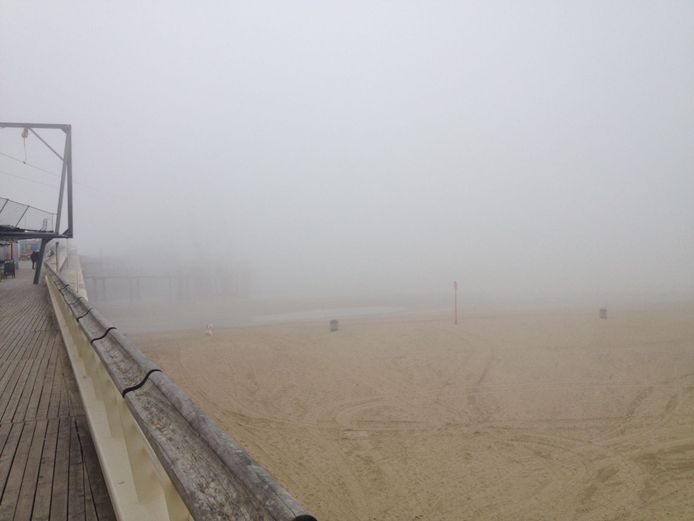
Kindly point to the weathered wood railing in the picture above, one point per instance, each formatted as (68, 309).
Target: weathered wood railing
(162, 456)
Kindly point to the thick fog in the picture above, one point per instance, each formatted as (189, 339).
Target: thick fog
(348, 148)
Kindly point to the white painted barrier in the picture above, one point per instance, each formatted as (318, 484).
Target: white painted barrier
(162, 457)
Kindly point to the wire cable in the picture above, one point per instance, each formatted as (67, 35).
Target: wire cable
(28, 164)
(27, 179)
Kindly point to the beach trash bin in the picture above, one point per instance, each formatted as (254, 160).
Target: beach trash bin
(333, 326)
(603, 313)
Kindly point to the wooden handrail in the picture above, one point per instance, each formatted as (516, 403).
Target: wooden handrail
(195, 470)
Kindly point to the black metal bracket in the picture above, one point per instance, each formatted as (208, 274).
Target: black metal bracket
(102, 336)
(143, 382)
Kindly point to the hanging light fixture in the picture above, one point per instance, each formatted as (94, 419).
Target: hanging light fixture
(25, 135)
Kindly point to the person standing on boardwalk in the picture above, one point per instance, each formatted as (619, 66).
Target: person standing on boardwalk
(34, 257)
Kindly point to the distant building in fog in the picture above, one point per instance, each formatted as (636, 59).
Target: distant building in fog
(125, 280)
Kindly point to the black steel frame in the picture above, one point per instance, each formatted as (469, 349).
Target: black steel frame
(65, 177)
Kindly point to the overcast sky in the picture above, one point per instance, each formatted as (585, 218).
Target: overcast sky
(350, 147)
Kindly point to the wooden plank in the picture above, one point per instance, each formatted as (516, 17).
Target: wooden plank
(14, 355)
(89, 509)
(10, 372)
(59, 492)
(44, 485)
(18, 360)
(8, 404)
(37, 362)
(12, 340)
(8, 452)
(47, 388)
(27, 492)
(64, 406)
(74, 402)
(10, 495)
(75, 502)
(49, 470)
(4, 433)
(32, 405)
(57, 389)
(11, 398)
(97, 486)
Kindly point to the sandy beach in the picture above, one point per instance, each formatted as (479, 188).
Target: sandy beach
(516, 416)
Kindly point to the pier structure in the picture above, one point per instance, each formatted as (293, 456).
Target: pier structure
(92, 429)
(49, 469)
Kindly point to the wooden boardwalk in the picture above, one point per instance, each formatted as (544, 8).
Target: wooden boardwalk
(48, 466)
